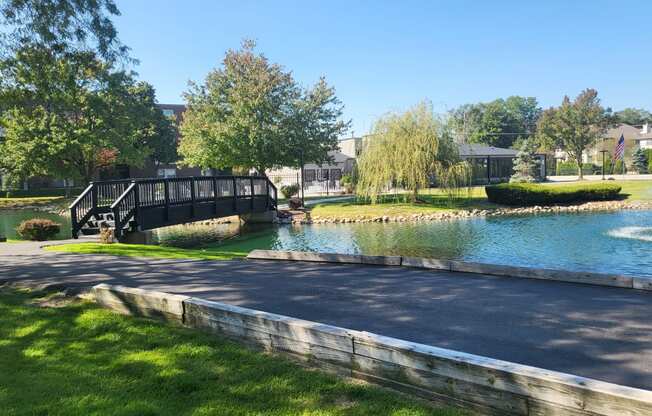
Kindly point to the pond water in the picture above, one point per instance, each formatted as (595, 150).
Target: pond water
(610, 242)
(9, 220)
(615, 242)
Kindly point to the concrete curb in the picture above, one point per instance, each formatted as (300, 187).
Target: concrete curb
(449, 377)
(589, 278)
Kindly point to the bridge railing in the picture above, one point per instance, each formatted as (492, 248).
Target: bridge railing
(170, 192)
(96, 199)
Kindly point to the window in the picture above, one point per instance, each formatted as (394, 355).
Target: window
(336, 174)
(167, 173)
(168, 112)
(309, 175)
(324, 174)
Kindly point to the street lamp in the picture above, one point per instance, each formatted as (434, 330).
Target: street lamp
(603, 155)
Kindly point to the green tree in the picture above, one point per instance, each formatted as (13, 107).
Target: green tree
(61, 25)
(575, 125)
(70, 114)
(633, 116)
(526, 164)
(497, 123)
(250, 114)
(640, 161)
(408, 150)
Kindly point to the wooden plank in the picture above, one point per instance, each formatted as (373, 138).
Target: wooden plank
(304, 256)
(543, 274)
(566, 390)
(487, 396)
(382, 260)
(642, 283)
(134, 301)
(284, 326)
(424, 263)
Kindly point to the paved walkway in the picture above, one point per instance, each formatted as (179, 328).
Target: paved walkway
(597, 332)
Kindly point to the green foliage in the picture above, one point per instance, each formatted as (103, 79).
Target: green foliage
(570, 168)
(347, 183)
(289, 191)
(251, 113)
(633, 116)
(526, 165)
(527, 194)
(497, 123)
(38, 229)
(640, 161)
(618, 167)
(70, 115)
(574, 126)
(61, 25)
(408, 150)
(79, 359)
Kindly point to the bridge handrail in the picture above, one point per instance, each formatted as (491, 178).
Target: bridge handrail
(121, 213)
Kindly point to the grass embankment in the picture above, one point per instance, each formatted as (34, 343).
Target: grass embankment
(141, 250)
(80, 360)
(434, 201)
(431, 201)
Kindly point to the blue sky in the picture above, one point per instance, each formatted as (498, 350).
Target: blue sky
(387, 56)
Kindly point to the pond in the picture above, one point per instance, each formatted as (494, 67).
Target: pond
(610, 242)
(9, 220)
(614, 242)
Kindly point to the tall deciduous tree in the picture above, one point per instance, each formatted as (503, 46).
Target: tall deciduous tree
(497, 123)
(633, 116)
(575, 125)
(408, 150)
(251, 114)
(70, 115)
(61, 25)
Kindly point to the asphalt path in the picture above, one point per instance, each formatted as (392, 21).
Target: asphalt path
(597, 332)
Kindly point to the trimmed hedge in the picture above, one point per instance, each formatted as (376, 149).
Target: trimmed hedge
(526, 194)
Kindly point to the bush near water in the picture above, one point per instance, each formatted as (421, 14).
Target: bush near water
(38, 229)
(527, 194)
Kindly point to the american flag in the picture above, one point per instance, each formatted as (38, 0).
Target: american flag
(619, 153)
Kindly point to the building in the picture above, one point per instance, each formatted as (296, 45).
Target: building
(493, 164)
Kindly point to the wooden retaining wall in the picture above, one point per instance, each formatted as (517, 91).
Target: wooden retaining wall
(599, 279)
(448, 377)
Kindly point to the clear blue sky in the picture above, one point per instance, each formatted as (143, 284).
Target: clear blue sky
(385, 56)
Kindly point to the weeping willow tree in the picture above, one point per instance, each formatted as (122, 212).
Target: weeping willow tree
(410, 150)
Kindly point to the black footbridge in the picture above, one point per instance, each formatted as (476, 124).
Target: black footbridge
(144, 204)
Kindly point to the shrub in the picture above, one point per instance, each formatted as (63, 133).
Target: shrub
(347, 183)
(38, 229)
(289, 191)
(570, 168)
(526, 194)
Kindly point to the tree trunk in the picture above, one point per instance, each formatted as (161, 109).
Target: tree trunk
(579, 169)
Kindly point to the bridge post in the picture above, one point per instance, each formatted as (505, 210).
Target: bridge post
(166, 188)
(137, 202)
(251, 181)
(215, 194)
(266, 194)
(235, 195)
(192, 196)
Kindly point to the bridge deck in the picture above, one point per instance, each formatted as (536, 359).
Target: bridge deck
(145, 204)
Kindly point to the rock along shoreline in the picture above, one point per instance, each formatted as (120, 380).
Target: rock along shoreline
(474, 213)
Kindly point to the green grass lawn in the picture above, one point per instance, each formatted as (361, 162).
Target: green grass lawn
(78, 359)
(141, 250)
(432, 200)
(435, 200)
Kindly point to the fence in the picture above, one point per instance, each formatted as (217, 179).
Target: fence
(314, 185)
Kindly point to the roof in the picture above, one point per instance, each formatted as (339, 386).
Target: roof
(469, 150)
